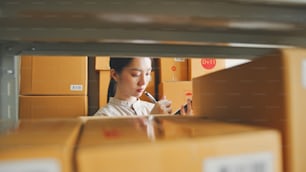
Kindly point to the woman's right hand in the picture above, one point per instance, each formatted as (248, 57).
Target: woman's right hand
(163, 106)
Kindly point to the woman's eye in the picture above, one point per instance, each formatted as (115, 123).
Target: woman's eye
(136, 74)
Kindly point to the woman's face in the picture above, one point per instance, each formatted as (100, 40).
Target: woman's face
(134, 78)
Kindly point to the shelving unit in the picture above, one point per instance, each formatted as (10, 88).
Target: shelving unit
(242, 29)
(223, 28)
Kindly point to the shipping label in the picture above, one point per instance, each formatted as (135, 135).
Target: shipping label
(304, 73)
(30, 165)
(76, 87)
(257, 162)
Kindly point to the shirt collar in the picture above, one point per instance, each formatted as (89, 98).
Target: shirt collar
(116, 101)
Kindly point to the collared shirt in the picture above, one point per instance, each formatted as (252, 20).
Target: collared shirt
(116, 107)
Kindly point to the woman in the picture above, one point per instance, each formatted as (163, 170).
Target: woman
(129, 79)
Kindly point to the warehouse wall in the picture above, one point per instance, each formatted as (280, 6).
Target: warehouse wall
(93, 87)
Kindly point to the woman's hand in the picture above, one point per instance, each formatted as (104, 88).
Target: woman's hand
(187, 112)
(163, 106)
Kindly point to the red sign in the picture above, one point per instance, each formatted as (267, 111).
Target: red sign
(188, 94)
(173, 68)
(208, 63)
(111, 133)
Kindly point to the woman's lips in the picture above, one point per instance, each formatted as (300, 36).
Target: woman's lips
(139, 90)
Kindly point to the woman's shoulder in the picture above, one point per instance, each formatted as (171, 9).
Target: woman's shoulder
(106, 110)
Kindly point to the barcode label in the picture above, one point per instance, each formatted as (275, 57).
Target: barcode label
(76, 87)
(304, 73)
(31, 165)
(258, 162)
(178, 59)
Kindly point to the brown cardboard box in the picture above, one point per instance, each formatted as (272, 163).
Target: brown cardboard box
(203, 66)
(102, 63)
(269, 91)
(173, 69)
(53, 75)
(177, 91)
(37, 107)
(105, 143)
(104, 78)
(40, 145)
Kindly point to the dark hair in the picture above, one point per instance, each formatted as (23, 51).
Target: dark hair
(116, 63)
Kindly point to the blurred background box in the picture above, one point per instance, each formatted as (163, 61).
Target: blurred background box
(268, 91)
(40, 145)
(187, 145)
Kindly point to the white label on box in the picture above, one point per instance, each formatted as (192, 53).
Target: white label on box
(257, 162)
(304, 73)
(31, 165)
(76, 87)
(177, 59)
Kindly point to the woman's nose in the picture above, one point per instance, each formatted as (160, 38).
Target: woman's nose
(142, 80)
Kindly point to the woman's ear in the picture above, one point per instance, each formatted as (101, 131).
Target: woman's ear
(114, 75)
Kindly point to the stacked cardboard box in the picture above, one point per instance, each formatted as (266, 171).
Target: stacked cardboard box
(176, 75)
(173, 69)
(203, 66)
(176, 144)
(102, 66)
(40, 145)
(269, 91)
(174, 83)
(53, 86)
(178, 92)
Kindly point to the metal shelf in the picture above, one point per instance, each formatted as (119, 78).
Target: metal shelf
(225, 28)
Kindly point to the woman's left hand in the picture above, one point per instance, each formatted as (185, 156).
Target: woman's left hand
(189, 111)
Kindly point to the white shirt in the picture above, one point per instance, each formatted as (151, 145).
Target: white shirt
(116, 107)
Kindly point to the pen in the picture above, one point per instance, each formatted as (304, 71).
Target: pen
(150, 96)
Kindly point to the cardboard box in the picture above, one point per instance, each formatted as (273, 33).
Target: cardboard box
(203, 66)
(104, 78)
(40, 145)
(269, 91)
(177, 91)
(173, 69)
(210, 145)
(38, 107)
(53, 75)
(102, 63)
